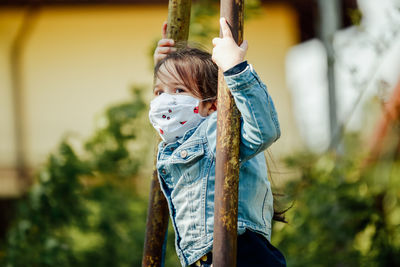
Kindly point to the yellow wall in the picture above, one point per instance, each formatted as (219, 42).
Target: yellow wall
(80, 59)
(270, 36)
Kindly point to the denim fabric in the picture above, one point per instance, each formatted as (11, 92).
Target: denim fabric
(187, 170)
(236, 69)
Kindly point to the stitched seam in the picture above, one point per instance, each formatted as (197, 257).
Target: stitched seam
(244, 86)
(275, 120)
(236, 74)
(273, 112)
(258, 127)
(263, 205)
(271, 109)
(207, 141)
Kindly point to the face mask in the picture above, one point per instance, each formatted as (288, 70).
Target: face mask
(172, 115)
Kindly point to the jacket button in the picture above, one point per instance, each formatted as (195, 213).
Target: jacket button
(184, 153)
(163, 171)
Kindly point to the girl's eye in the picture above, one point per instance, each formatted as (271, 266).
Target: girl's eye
(179, 90)
(158, 92)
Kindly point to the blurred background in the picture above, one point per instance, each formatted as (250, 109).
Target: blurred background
(76, 147)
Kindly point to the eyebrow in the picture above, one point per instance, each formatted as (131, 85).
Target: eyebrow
(157, 86)
(172, 83)
(178, 83)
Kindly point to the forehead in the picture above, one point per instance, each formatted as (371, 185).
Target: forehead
(167, 74)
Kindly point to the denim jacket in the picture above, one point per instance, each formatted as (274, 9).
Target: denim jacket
(187, 170)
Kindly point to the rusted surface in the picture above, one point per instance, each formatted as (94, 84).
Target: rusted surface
(156, 225)
(227, 161)
(178, 19)
(157, 215)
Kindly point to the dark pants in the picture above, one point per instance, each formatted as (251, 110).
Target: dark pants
(253, 250)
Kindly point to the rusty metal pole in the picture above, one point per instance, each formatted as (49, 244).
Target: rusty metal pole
(227, 157)
(157, 214)
(156, 225)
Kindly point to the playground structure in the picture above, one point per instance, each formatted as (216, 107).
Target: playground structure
(227, 157)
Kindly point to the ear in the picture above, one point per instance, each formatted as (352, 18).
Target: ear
(212, 108)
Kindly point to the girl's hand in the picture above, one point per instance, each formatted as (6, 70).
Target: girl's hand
(164, 46)
(226, 53)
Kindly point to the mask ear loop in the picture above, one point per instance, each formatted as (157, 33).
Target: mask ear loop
(210, 98)
(203, 100)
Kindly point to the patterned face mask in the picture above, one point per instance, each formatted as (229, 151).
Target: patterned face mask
(172, 115)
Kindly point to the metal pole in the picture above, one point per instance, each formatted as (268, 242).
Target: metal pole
(330, 18)
(156, 225)
(157, 215)
(227, 157)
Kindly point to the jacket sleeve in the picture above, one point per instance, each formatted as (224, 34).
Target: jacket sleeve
(259, 121)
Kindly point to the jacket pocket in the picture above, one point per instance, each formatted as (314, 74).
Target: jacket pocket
(188, 152)
(190, 161)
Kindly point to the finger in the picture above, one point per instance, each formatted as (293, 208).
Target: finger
(215, 41)
(164, 30)
(244, 45)
(166, 42)
(226, 31)
(165, 50)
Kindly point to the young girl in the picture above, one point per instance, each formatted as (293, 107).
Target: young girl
(183, 113)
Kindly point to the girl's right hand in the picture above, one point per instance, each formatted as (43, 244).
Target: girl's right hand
(164, 46)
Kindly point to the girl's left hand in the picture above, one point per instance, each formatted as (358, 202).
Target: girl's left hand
(226, 53)
(164, 46)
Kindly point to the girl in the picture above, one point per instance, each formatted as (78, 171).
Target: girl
(183, 113)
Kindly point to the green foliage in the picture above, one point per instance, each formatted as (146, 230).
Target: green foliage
(204, 23)
(83, 209)
(55, 201)
(343, 215)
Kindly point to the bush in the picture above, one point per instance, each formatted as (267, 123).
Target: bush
(343, 215)
(84, 210)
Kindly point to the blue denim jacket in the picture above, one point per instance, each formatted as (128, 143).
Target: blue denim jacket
(187, 170)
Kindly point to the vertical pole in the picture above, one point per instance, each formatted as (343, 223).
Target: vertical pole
(156, 225)
(17, 50)
(330, 18)
(227, 157)
(157, 214)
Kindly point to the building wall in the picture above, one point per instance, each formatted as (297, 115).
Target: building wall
(80, 59)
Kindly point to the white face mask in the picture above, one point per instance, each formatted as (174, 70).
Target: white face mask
(172, 115)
